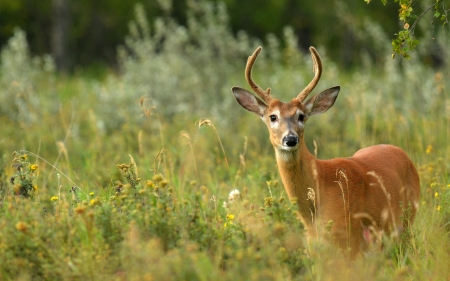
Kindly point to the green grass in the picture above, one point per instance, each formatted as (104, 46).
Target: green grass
(90, 219)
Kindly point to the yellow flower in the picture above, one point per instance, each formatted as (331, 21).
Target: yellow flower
(157, 178)
(24, 157)
(438, 208)
(429, 149)
(230, 217)
(35, 188)
(436, 194)
(91, 193)
(33, 167)
(228, 224)
(54, 198)
(21, 226)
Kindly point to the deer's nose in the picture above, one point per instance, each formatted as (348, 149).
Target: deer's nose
(290, 140)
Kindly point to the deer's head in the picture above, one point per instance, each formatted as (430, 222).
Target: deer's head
(285, 121)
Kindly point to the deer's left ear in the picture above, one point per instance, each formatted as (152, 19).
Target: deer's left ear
(320, 103)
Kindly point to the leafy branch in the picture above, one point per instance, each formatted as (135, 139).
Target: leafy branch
(405, 40)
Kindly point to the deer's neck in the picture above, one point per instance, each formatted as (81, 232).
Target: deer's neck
(297, 169)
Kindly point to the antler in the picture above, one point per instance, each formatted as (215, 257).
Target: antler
(318, 72)
(264, 95)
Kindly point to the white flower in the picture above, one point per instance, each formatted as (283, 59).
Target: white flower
(225, 205)
(234, 195)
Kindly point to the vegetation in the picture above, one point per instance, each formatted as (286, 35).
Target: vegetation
(410, 14)
(128, 177)
(85, 33)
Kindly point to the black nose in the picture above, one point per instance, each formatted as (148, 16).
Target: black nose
(290, 140)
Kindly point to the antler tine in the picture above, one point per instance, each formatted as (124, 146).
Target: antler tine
(317, 73)
(264, 95)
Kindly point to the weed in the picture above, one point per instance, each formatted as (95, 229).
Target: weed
(23, 179)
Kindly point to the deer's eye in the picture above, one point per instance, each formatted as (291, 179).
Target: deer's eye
(301, 117)
(273, 118)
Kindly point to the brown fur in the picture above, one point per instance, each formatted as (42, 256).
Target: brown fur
(363, 193)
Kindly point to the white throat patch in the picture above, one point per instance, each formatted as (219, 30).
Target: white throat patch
(285, 155)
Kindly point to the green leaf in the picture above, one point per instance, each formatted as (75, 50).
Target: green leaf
(437, 14)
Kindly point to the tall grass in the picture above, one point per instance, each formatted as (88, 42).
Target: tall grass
(162, 217)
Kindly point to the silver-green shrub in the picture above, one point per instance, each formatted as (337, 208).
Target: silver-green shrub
(20, 74)
(191, 69)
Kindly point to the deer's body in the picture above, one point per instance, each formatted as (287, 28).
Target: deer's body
(366, 192)
(358, 185)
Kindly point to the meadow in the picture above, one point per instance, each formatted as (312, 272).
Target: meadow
(126, 175)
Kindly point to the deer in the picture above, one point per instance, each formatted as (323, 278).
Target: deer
(352, 198)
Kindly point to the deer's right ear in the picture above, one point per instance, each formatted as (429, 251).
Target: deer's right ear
(248, 101)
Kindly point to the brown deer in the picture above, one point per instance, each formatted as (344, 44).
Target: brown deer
(354, 196)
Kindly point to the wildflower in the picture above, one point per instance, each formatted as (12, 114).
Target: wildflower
(54, 198)
(234, 195)
(268, 201)
(21, 226)
(35, 188)
(157, 178)
(33, 167)
(230, 217)
(163, 183)
(23, 157)
(149, 183)
(438, 208)
(80, 209)
(93, 202)
(91, 193)
(228, 223)
(436, 194)
(429, 149)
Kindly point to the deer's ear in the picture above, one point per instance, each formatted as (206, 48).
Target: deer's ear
(320, 103)
(248, 101)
